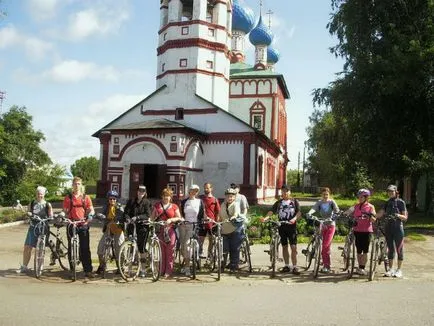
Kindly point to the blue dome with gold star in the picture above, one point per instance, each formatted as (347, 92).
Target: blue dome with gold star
(243, 18)
(273, 55)
(261, 34)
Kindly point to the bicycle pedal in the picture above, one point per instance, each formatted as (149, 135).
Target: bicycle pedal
(267, 251)
(341, 248)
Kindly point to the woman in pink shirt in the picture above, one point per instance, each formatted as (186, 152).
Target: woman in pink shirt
(364, 214)
(165, 210)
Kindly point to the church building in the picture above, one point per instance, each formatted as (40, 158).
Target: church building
(216, 115)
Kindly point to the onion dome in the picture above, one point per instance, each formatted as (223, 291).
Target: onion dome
(243, 18)
(261, 34)
(272, 55)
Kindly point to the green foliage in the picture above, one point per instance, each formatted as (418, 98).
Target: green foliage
(292, 177)
(49, 176)
(19, 151)
(380, 110)
(87, 168)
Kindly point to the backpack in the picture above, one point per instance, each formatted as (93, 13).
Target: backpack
(33, 203)
(83, 202)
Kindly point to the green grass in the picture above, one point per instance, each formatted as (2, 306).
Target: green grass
(415, 236)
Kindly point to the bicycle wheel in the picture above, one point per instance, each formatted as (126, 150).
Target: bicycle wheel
(39, 256)
(346, 253)
(213, 258)
(317, 257)
(129, 261)
(61, 251)
(155, 259)
(373, 259)
(194, 256)
(309, 253)
(219, 256)
(245, 249)
(352, 258)
(106, 258)
(74, 257)
(273, 256)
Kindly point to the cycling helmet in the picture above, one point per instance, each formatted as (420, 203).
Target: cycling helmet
(363, 192)
(112, 193)
(230, 191)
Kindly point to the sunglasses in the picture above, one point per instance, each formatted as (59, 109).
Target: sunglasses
(141, 190)
(112, 198)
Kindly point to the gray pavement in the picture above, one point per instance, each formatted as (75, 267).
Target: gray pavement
(241, 299)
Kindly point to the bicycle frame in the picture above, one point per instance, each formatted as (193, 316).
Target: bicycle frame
(217, 255)
(40, 231)
(73, 246)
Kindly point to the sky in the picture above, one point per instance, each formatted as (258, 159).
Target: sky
(78, 64)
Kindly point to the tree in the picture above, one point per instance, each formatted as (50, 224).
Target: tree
(87, 168)
(380, 116)
(49, 176)
(19, 151)
(292, 177)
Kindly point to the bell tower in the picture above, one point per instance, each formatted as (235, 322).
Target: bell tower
(193, 48)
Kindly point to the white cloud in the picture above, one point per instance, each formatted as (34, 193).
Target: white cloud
(42, 9)
(97, 20)
(34, 47)
(70, 137)
(75, 71)
(281, 29)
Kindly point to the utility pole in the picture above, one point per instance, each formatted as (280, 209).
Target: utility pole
(298, 171)
(304, 163)
(2, 97)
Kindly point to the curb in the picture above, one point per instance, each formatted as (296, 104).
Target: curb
(6, 225)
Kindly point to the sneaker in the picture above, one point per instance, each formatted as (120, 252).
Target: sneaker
(325, 270)
(142, 274)
(100, 270)
(22, 270)
(167, 276)
(361, 271)
(187, 272)
(389, 273)
(89, 275)
(295, 271)
(286, 269)
(398, 273)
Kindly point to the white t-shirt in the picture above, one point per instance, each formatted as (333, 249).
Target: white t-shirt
(191, 209)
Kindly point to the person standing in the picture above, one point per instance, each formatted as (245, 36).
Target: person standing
(241, 200)
(141, 208)
(394, 230)
(168, 212)
(232, 230)
(287, 210)
(192, 211)
(364, 215)
(43, 209)
(211, 211)
(112, 212)
(325, 207)
(78, 206)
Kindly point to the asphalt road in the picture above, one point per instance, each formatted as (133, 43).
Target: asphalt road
(240, 299)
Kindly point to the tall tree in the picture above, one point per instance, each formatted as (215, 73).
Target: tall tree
(19, 151)
(382, 102)
(87, 168)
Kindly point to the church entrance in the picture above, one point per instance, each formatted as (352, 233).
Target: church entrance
(153, 176)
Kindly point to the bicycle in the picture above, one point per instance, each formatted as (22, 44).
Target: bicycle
(349, 249)
(217, 248)
(59, 250)
(40, 231)
(193, 249)
(314, 247)
(154, 249)
(379, 247)
(74, 256)
(129, 257)
(274, 244)
(109, 248)
(245, 252)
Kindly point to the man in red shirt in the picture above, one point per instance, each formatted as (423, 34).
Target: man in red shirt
(211, 210)
(78, 206)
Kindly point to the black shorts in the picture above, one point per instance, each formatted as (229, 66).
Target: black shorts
(362, 241)
(288, 233)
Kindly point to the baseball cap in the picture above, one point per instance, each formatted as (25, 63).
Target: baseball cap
(194, 187)
(392, 188)
(142, 188)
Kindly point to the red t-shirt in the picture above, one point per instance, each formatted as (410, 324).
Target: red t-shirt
(211, 209)
(164, 215)
(78, 211)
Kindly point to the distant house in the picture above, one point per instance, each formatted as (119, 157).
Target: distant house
(66, 182)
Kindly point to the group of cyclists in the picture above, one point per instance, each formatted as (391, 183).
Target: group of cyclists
(195, 213)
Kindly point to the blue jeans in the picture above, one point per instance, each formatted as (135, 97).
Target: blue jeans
(232, 244)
